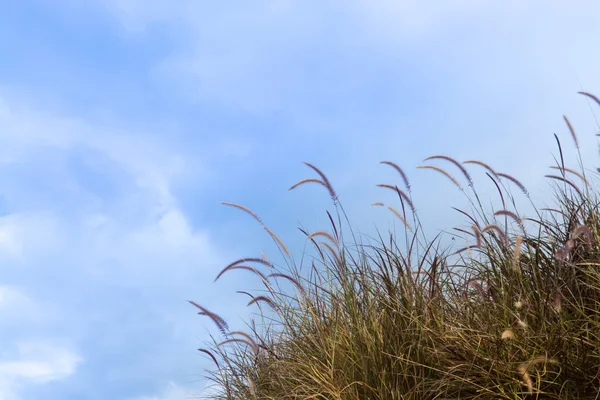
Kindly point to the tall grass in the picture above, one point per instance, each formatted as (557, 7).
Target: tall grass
(513, 315)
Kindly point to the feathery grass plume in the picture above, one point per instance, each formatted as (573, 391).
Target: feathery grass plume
(518, 304)
(561, 254)
(265, 299)
(279, 242)
(481, 163)
(308, 180)
(443, 172)
(470, 247)
(378, 204)
(582, 230)
(324, 181)
(477, 234)
(250, 342)
(466, 214)
(580, 176)
(400, 171)
(557, 302)
(508, 334)
(325, 234)
(515, 181)
(400, 194)
(453, 161)
(517, 253)
(478, 287)
(211, 356)
(314, 243)
(499, 191)
(513, 216)
(463, 231)
(567, 181)
(230, 267)
(524, 369)
(496, 228)
(266, 259)
(246, 293)
(522, 324)
(591, 96)
(556, 211)
(397, 214)
(336, 256)
(335, 231)
(289, 278)
(263, 261)
(220, 322)
(562, 158)
(573, 135)
(251, 386)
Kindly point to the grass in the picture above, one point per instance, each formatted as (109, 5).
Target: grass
(513, 315)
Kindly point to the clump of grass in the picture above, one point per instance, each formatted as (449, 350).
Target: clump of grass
(513, 315)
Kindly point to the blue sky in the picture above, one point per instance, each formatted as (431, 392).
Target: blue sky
(124, 123)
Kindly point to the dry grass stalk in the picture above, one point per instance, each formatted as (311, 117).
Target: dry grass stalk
(289, 278)
(585, 231)
(524, 370)
(211, 356)
(324, 234)
(517, 253)
(220, 322)
(477, 234)
(591, 96)
(453, 161)
(438, 169)
(484, 165)
(230, 267)
(514, 216)
(397, 214)
(568, 182)
(246, 293)
(515, 181)
(279, 242)
(402, 174)
(572, 171)
(251, 386)
(308, 180)
(325, 181)
(265, 299)
(335, 254)
(497, 229)
(573, 135)
(250, 342)
(403, 195)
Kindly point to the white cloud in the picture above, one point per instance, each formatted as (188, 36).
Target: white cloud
(36, 363)
(129, 235)
(172, 392)
(170, 232)
(24, 234)
(26, 133)
(15, 303)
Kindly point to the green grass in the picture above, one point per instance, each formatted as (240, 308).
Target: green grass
(514, 315)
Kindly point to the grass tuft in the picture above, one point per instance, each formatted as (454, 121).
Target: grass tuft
(514, 313)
